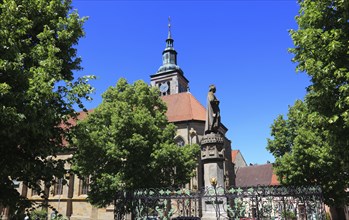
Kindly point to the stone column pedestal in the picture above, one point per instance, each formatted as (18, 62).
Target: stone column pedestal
(212, 205)
(212, 158)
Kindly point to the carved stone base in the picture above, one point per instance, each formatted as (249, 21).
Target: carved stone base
(212, 157)
(212, 146)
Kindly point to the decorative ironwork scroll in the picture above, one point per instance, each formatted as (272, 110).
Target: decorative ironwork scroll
(262, 202)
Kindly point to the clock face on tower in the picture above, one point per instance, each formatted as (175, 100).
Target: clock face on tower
(163, 87)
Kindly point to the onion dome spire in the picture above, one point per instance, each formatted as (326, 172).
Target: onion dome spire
(169, 55)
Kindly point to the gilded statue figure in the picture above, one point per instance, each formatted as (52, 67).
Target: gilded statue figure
(213, 117)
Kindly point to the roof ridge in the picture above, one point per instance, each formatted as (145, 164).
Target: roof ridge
(191, 95)
(191, 107)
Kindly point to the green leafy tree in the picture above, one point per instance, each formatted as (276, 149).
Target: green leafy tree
(311, 145)
(127, 143)
(37, 90)
(304, 155)
(38, 214)
(322, 51)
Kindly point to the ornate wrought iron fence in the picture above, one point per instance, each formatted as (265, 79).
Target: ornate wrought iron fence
(262, 202)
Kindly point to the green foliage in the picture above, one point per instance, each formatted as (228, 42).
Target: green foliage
(59, 217)
(37, 90)
(38, 214)
(311, 145)
(322, 51)
(127, 143)
(289, 215)
(303, 153)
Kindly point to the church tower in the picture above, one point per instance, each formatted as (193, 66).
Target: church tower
(169, 78)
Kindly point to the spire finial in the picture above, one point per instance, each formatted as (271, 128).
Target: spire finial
(169, 28)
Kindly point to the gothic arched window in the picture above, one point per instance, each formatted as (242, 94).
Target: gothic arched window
(179, 141)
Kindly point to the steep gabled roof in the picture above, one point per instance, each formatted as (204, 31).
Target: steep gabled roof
(180, 107)
(234, 153)
(184, 107)
(256, 175)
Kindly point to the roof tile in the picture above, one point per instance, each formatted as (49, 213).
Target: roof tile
(256, 175)
(234, 153)
(184, 107)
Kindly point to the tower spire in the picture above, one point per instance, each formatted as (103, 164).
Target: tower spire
(169, 55)
(169, 40)
(169, 28)
(169, 78)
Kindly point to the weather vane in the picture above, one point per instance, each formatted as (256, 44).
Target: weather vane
(169, 22)
(169, 27)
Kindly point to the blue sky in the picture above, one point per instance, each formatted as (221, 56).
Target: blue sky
(240, 46)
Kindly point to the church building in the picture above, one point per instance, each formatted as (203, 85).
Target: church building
(184, 110)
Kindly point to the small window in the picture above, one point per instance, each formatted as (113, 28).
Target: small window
(179, 141)
(167, 58)
(301, 211)
(84, 186)
(58, 186)
(36, 191)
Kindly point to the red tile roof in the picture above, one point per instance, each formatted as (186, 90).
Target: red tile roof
(184, 107)
(234, 153)
(80, 115)
(256, 175)
(73, 121)
(180, 107)
(274, 180)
